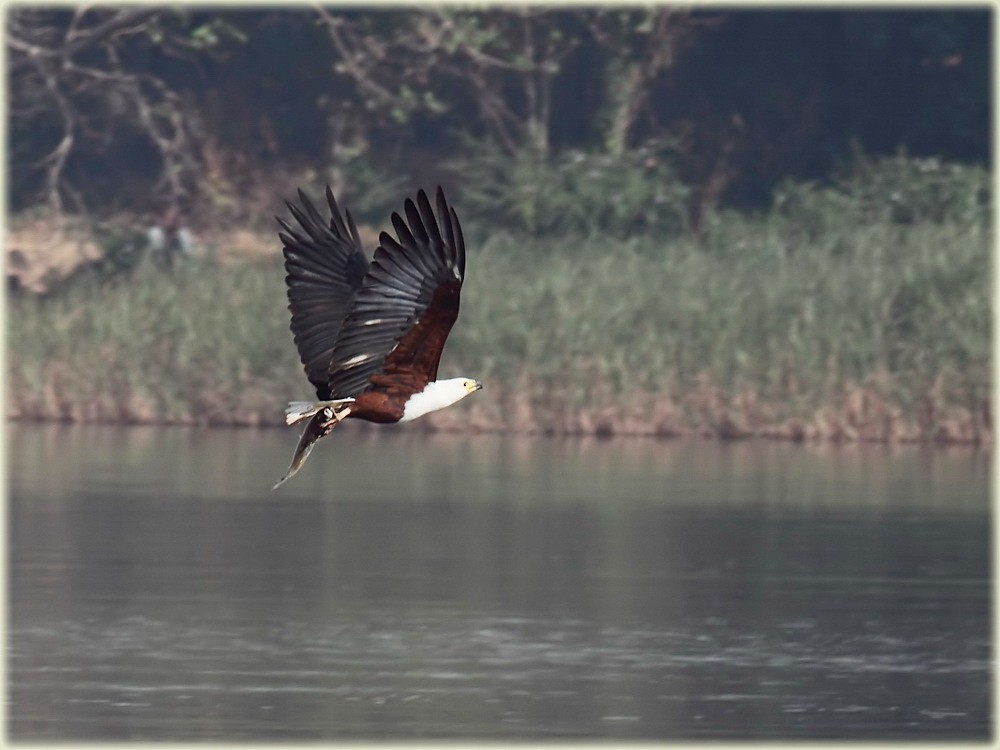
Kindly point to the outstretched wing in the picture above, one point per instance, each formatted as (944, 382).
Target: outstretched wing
(407, 304)
(325, 265)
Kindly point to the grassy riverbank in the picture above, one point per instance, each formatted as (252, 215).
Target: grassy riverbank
(821, 319)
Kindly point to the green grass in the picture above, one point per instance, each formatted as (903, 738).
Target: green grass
(746, 310)
(843, 322)
(202, 344)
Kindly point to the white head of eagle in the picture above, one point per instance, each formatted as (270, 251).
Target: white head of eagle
(370, 332)
(437, 395)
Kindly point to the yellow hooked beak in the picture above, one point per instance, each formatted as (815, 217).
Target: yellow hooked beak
(474, 385)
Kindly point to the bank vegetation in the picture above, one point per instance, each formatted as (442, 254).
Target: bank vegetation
(858, 310)
(681, 221)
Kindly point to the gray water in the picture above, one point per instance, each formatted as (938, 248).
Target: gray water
(407, 586)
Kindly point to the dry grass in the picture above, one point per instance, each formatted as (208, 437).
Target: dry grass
(41, 255)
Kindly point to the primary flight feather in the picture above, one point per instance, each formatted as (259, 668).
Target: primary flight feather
(370, 335)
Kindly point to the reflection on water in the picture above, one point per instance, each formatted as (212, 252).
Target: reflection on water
(405, 586)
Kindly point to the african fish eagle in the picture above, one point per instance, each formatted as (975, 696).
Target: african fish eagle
(370, 335)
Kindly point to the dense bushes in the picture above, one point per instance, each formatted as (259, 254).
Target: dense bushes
(577, 193)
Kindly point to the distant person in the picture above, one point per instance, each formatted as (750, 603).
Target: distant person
(168, 238)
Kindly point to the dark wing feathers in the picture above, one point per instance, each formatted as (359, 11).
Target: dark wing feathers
(430, 222)
(459, 243)
(325, 265)
(449, 233)
(352, 319)
(400, 318)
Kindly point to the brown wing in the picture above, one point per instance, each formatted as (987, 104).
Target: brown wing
(325, 265)
(406, 306)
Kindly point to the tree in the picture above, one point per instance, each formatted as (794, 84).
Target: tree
(640, 46)
(500, 65)
(87, 81)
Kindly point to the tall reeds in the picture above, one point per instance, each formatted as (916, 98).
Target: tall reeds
(826, 317)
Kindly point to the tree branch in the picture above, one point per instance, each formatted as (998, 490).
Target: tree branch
(79, 40)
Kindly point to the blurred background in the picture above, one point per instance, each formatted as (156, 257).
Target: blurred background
(729, 222)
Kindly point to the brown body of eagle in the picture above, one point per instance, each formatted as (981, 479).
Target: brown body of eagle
(370, 335)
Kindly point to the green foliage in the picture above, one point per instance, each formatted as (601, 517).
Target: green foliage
(561, 324)
(907, 190)
(575, 193)
(896, 190)
(646, 314)
(123, 249)
(371, 192)
(193, 345)
(214, 32)
(130, 108)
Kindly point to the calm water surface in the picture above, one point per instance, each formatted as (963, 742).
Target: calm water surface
(414, 587)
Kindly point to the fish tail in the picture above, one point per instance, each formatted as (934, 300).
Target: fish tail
(317, 428)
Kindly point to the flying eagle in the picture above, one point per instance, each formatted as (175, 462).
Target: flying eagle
(370, 335)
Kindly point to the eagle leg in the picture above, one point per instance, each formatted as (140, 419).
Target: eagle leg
(299, 410)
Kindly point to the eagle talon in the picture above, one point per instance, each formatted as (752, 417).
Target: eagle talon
(300, 410)
(334, 417)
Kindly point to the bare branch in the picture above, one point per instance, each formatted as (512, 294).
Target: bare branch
(89, 98)
(79, 40)
(350, 58)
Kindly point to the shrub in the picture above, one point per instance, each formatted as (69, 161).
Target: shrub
(900, 190)
(576, 193)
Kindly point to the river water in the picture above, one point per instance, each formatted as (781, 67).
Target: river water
(410, 587)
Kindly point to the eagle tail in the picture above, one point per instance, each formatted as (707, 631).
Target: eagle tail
(319, 426)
